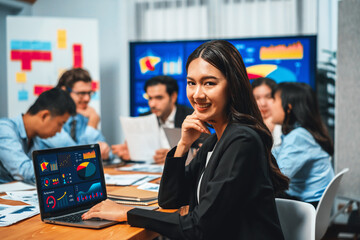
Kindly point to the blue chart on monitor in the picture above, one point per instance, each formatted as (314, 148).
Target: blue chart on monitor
(86, 194)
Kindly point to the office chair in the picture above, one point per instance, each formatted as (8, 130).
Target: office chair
(297, 219)
(325, 205)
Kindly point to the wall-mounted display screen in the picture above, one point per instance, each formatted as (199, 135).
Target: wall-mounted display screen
(284, 59)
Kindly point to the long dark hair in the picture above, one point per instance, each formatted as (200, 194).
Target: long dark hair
(242, 106)
(304, 111)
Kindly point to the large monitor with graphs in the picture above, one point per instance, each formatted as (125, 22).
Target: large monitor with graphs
(291, 59)
(69, 178)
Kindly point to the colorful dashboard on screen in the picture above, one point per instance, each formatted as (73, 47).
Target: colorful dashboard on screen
(69, 178)
(284, 59)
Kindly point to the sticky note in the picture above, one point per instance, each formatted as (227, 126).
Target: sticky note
(21, 77)
(23, 95)
(77, 56)
(61, 72)
(95, 85)
(38, 89)
(95, 96)
(61, 38)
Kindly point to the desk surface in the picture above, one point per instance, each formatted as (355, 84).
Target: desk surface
(34, 228)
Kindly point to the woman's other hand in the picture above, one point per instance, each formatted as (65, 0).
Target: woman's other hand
(109, 210)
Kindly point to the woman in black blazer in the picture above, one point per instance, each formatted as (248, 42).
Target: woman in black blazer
(230, 184)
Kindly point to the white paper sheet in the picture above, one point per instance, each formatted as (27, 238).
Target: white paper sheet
(128, 179)
(12, 214)
(29, 197)
(149, 186)
(142, 135)
(153, 168)
(16, 186)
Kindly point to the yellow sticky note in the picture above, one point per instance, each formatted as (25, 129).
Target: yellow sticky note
(61, 71)
(21, 77)
(61, 38)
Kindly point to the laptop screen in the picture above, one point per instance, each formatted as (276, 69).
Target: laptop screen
(69, 179)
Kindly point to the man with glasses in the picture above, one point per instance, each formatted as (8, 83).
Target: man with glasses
(81, 128)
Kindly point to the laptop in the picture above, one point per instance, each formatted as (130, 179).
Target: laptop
(173, 135)
(69, 182)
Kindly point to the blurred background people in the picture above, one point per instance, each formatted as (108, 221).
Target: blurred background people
(83, 127)
(262, 89)
(162, 92)
(21, 135)
(306, 149)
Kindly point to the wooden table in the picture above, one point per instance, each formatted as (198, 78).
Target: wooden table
(34, 228)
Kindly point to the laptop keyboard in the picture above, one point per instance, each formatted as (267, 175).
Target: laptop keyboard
(75, 218)
(71, 218)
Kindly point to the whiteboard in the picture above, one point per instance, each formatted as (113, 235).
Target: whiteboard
(40, 49)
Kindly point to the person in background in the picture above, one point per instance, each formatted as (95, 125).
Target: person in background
(83, 127)
(162, 93)
(21, 135)
(230, 184)
(306, 149)
(262, 89)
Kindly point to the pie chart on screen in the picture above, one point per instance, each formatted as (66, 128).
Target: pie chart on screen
(86, 170)
(279, 74)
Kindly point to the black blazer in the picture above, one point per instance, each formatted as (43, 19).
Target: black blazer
(180, 115)
(236, 195)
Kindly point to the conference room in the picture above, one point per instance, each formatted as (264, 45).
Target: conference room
(127, 152)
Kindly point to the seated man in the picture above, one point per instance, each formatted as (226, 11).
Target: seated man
(21, 135)
(81, 128)
(162, 92)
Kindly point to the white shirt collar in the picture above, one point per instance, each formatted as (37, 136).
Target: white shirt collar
(170, 121)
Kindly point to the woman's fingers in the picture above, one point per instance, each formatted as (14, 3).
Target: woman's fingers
(194, 123)
(109, 210)
(89, 215)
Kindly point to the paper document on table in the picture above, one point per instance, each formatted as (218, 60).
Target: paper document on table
(128, 179)
(142, 135)
(154, 187)
(12, 214)
(16, 186)
(153, 168)
(29, 197)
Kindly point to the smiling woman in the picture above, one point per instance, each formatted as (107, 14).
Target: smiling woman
(233, 175)
(206, 91)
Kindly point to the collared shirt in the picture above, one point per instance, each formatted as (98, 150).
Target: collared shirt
(84, 133)
(170, 121)
(307, 165)
(276, 134)
(15, 151)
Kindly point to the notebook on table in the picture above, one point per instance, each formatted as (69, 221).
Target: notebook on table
(69, 182)
(133, 196)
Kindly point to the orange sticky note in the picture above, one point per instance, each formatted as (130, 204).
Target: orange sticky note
(61, 38)
(21, 77)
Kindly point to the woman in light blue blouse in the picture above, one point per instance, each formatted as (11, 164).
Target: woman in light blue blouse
(305, 153)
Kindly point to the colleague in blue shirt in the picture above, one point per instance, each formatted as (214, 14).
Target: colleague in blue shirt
(83, 127)
(306, 149)
(21, 135)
